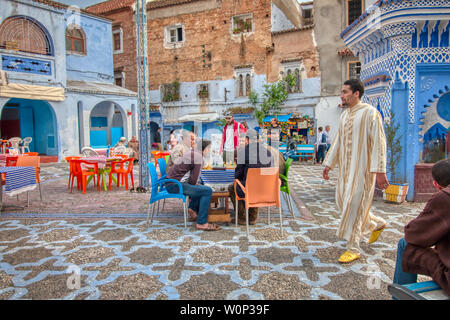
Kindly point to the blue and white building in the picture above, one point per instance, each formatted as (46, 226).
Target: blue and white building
(58, 79)
(403, 46)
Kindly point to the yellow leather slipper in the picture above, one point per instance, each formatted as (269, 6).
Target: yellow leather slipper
(348, 256)
(375, 234)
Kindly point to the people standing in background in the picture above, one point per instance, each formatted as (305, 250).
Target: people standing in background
(327, 132)
(274, 133)
(245, 125)
(321, 145)
(230, 136)
(121, 143)
(134, 145)
(157, 139)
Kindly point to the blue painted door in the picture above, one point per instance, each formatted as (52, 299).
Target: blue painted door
(98, 138)
(116, 134)
(27, 124)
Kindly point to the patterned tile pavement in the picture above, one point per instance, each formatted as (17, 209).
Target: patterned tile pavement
(97, 246)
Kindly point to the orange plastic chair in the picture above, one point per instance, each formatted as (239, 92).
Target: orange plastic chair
(262, 189)
(71, 170)
(83, 169)
(31, 153)
(123, 156)
(32, 161)
(159, 154)
(126, 168)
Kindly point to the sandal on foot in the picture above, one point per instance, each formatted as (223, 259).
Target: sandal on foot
(375, 234)
(348, 256)
(210, 227)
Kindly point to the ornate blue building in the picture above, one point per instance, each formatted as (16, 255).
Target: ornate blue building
(403, 46)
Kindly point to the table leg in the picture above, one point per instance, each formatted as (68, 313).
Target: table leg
(104, 181)
(88, 180)
(226, 205)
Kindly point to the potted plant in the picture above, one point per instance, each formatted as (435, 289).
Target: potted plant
(397, 190)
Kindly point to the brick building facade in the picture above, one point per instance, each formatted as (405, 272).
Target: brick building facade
(216, 52)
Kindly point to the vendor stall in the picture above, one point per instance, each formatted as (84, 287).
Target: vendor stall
(297, 126)
(302, 129)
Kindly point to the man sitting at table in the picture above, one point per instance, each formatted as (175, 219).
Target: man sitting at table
(254, 155)
(199, 195)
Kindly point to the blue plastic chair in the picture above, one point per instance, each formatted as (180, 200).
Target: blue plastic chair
(163, 175)
(428, 290)
(162, 168)
(159, 192)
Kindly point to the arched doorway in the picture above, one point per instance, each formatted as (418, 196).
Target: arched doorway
(30, 118)
(107, 124)
(153, 128)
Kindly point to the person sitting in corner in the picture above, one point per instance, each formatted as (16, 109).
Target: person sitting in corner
(121, 143)
(416, 254)
(134, 145)
(199, 195)
(254, 155)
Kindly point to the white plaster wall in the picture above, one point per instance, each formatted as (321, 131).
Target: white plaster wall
(328, 113)
(67, 117)
(66, 127)
(279, 21)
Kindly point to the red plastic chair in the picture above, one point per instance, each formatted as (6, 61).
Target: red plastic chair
(32, 161)
(84, 169)
(11, 161)
(72, 170)
(126, 168)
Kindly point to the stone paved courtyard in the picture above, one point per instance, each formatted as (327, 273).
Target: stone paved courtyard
(103, 238)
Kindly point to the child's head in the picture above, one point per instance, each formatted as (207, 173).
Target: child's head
(441, 173)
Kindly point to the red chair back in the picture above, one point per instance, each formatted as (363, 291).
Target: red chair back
(11, 161)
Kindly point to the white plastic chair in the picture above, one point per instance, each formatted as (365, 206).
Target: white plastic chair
(15, 142)
(26, 143)
(88, 152)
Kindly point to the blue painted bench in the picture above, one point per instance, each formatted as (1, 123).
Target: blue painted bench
(304, 152)
(428, 290)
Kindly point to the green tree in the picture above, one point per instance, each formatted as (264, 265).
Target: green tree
(273, 97)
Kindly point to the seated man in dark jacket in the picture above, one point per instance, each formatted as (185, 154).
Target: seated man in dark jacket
(253, 155)
(416, 254)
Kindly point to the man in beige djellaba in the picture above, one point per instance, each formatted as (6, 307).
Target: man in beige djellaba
(359, 150)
